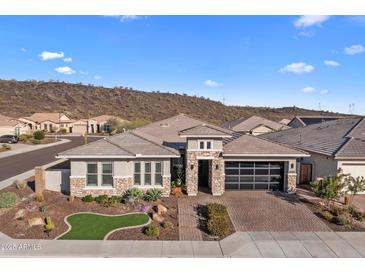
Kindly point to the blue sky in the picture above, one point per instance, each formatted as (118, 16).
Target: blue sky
(248, 60)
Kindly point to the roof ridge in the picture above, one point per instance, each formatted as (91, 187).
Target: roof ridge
(155, 143)
(204, 125)
(348, 138)
(278, 143)
(70, 149)
(119, 146)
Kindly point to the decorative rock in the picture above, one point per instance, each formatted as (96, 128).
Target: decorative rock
(19, 215)
(157, 218)
(35, 221)
(161, 209)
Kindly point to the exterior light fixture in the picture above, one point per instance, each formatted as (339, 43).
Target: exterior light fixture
(191, 167)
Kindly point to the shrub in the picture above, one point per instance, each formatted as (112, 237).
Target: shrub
(49, 225)
(6, 147)
(152, 231)
(153, 194)
(101, 199)
(358, 215)
(326, 215)
(36, 142)
(215, 209)
(107, 201)
(330, 188)
(24, 137)
(218, 226)
(340, 219)
(87, 199)
(339, 210)
(167, 225)
(62, 131)
(133, 195)
(38, 135)
(7, 199)
(19, 184)
(39, 197)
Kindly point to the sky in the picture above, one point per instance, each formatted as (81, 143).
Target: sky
(315, 62)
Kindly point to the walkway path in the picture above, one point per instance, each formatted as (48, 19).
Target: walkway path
(239, 244)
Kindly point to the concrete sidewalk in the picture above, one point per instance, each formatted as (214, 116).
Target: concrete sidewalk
(239, 244)
(31, 148)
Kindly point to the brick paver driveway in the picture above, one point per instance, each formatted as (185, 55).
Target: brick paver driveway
(270, 211)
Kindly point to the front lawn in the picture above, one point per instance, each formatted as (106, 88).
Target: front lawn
(88, 226)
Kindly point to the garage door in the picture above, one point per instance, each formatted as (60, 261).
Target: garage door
(254, 175)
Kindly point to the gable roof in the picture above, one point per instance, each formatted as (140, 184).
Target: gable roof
(167, 130)
(284, 121)
(339, 138)
(103, 118)
(45, 116)
(251, 123)
(8, 121)
(204, 130)
(311, 120)
(125, 145)
(252, 145)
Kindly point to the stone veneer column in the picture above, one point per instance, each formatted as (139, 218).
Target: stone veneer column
(191, 176)
(217, 175)
(77, 184)
(291, 179)
(39, 180)
(166, 183)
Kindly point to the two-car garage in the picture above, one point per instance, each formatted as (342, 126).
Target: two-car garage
(242, 175)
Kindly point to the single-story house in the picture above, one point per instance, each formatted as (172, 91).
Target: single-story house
(83, 126)
(254, 125)
(12, 126)
(302, 121)
(332, 145)
(181, 147)
(48, 121)
(102, 123)
(284, 121)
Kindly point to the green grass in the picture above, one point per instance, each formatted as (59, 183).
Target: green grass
(88, 226)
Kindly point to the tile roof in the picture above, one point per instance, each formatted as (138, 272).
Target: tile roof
(103, 118)
(248, 144)
(342, 137)
(203, 130)
(124, 145)
(8, 121)
(311, 120)
(251, 123)
(45, 116)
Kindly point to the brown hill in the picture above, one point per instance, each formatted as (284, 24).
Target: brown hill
(20, 98)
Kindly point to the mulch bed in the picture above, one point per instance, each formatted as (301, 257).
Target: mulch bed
(316, 209)
(59, 207)
(165, 234)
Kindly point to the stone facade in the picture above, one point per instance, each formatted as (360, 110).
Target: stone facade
(39, 179)
(78, 187)
(291, 179)
(216, 176)
(166, 182)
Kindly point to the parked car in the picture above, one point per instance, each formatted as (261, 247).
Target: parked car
(10, 139)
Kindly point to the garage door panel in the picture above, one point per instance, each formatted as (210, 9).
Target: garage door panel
(254, 175)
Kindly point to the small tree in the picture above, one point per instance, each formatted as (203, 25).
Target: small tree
(39, 135)
(330, 188)
(354, 186)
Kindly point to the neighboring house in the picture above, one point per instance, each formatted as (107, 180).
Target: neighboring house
(254, 125)
(12, 126)
(102, 123)
(48, 121)
(209, 157)
(284, 121)
(333, 145)
(83, 126)
(302, 121)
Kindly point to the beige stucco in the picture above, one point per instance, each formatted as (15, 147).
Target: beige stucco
(261, 130)
(321, 165)
(193, 144)
(20, 128)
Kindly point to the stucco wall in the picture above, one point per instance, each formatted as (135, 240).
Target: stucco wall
(261, 130)
(193, 144)
(321, 165)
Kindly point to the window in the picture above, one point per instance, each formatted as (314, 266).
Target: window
(205, 145)
(92, 174)
(201, 144)
(209, 145)
(158, 173)
(107, 174)
(147, 173)
(137, 173)
(45, 126)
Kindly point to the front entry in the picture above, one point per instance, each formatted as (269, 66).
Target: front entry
(305, 173)
(203, 173)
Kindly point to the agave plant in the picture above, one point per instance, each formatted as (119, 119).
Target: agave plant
(153, 194)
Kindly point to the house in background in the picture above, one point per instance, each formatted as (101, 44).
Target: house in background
(12, 126)
(284, 121)
(211, 157)
(254, 125)
(83, 126)
(333, 145)
(102, 123)
(302, 121)
(48, 121)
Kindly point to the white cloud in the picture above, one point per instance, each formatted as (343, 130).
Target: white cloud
(97, 77)
(308, 89)
(125, 18)
(331, 63)
(310, 20)
(83, 72)
(65, 70)
(23, 49)
(67, 59)
(47, 55)
(354, 49)
(298, 68)
(324, 91)
(211, 83)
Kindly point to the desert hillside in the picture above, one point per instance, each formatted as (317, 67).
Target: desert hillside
(19, 98)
